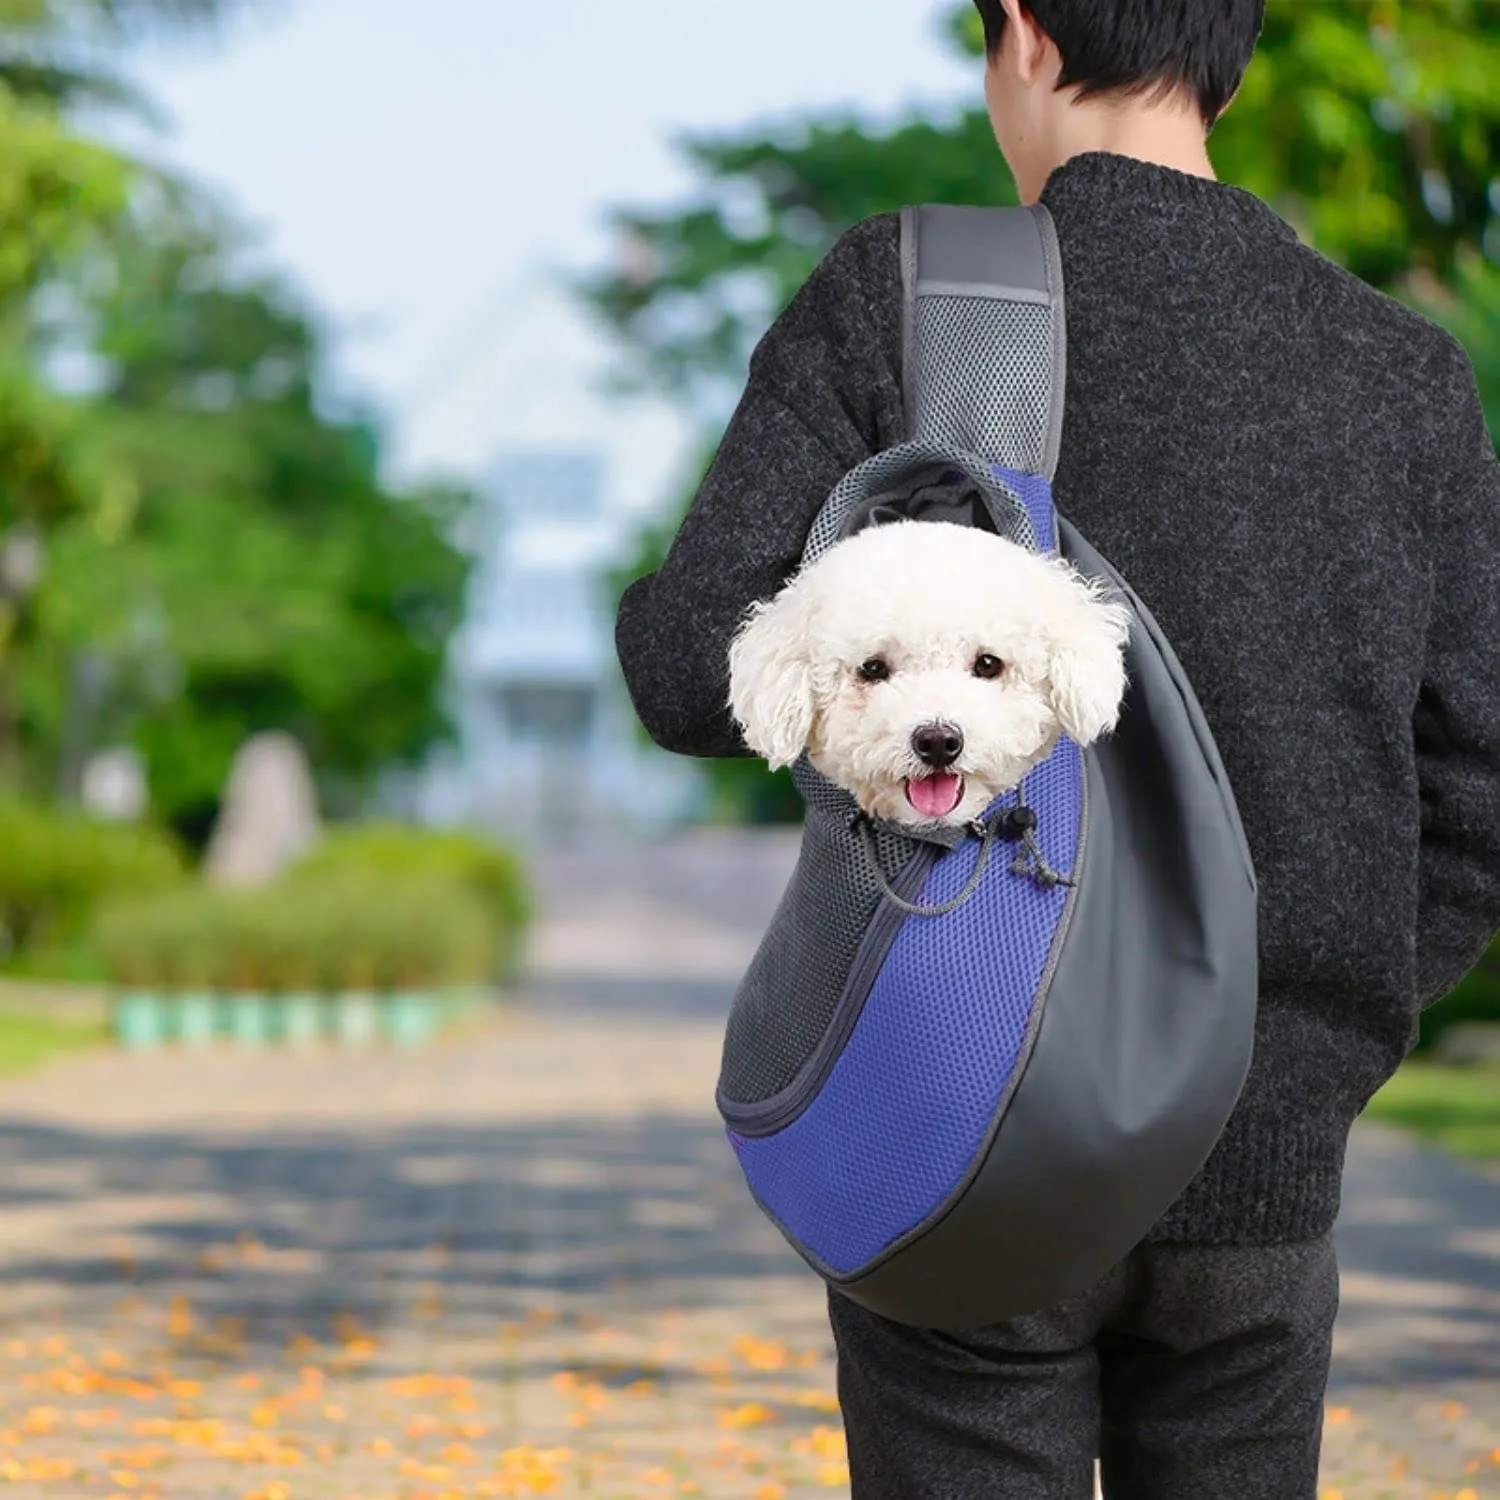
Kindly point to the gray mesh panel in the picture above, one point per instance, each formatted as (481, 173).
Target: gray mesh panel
(787, 998)
(984, 376)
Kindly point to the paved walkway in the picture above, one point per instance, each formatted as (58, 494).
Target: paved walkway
(523, 1262)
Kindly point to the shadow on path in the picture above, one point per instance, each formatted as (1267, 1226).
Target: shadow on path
(1419, 1247)
(300, 1227)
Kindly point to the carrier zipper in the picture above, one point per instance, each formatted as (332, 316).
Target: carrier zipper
(769, 1116)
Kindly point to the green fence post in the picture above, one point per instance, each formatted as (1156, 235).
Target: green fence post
(196, 1019)
(139, 1020)
(409, 1018)
(249, 1019)
(301, 1020)
(356, 1018)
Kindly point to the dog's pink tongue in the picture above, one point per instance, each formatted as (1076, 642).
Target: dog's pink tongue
(934, 796)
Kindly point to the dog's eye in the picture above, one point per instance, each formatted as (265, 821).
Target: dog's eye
(986, 665)
(876, 669)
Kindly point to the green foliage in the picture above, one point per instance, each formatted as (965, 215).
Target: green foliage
(380, 906)
(57, 867)
(493, 874)
(253, 570)
(1470, 309)
(1456, 1108)
(358, 932)
(221, 554)
(29, 1038)
(55, 51)
(1375, 127)
(58, 194)
(43, 455)
(1372, 126)
(767, 211)
(1476, 998)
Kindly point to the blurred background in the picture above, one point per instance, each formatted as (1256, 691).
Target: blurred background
(353, 358)
(349, 368)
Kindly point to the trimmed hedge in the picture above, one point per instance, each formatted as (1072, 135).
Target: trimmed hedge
(493, 874)
(58, 866)
(359, 932)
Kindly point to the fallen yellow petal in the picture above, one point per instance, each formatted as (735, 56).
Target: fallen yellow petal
(761, 1354)
(817, 1400)
(752, 1414)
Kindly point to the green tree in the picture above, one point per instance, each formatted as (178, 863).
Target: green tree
(257, 572)
(209, 546)
(1371, 125)
(60, 51)
(59, 195)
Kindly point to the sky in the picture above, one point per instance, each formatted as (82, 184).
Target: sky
(423, 172)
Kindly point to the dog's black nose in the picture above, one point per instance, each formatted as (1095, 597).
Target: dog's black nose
(937, 744)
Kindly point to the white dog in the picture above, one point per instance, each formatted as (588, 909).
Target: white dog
(926, 666)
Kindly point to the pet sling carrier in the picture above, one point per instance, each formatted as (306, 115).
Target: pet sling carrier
(971, 1111)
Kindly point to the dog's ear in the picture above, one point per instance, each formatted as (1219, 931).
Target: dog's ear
(1086, 662)
(770, 678)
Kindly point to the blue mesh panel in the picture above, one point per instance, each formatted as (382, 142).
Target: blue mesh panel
(911, 1099)
(1036, 495)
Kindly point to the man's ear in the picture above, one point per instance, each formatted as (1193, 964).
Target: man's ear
(770, 677)
(1023, 34)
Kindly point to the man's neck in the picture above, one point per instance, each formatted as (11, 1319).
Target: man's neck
(1166, 136)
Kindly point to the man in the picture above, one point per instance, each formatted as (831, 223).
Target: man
(1294, 473)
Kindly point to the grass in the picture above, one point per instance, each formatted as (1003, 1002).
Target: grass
(29, 1038)
(1456, 1108)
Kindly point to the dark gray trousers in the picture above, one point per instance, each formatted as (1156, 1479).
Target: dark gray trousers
(1189, 1371)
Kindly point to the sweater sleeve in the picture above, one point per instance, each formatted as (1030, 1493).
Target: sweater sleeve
(1456, 724)
(823, 394)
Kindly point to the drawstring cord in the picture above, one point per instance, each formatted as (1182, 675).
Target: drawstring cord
(863, 825)
(1011, 822)
(1023, 818)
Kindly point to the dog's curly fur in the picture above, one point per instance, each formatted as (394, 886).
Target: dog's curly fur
(927, 600)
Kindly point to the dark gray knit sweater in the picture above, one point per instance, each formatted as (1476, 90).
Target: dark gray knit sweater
(1293, 471)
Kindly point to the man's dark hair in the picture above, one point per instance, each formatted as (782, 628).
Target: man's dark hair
(1145, 46)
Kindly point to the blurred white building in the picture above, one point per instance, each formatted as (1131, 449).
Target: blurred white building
(548, 745)
(548, 741)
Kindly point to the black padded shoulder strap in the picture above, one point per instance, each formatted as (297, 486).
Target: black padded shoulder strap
(984, 333)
